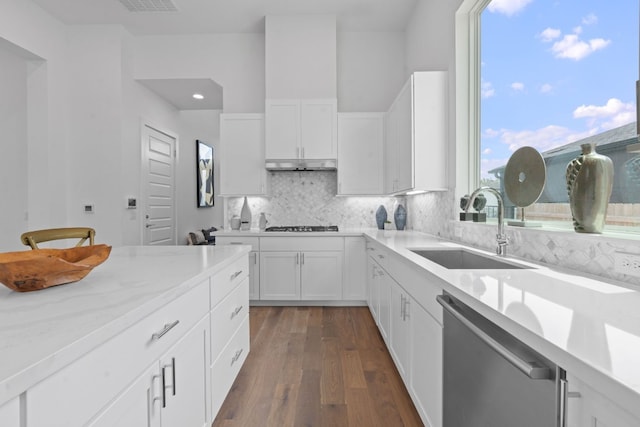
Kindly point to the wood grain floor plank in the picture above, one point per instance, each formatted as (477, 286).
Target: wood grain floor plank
(316, 366)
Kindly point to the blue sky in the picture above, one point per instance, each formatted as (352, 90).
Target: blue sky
(555, 71)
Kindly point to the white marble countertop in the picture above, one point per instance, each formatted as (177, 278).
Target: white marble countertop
(587, 325)
(43, 331)
(261, 233)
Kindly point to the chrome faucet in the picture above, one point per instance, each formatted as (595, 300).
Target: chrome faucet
(501, 237)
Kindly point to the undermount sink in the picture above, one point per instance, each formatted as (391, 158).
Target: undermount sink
(462, 259)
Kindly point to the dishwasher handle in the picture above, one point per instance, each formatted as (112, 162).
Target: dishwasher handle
(532, 370)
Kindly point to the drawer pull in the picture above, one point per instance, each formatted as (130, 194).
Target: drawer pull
(236, 274)
(235, 243)
(380, 256)
(167, 328)
(236, 356)
(236, 311)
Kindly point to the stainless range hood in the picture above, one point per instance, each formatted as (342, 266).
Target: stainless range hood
(301, 165)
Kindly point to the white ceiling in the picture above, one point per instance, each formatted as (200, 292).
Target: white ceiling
(230, 16)
(179, 92)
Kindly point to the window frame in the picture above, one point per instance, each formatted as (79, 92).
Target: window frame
(468, 109)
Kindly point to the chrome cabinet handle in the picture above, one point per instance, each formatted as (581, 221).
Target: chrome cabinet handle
(235, 243)
(407, 306)
(531, 369)
(235, 312)
(297, 258)
(236, 274)
(255, 258)
(402, 306)
(157, 398)
(302, 256)
(167, 328)
(236, 356)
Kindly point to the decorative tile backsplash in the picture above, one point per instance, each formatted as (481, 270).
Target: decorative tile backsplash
(309, 198)
(435, 213)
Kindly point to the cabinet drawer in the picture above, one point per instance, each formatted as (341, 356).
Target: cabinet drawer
(224, 281)
(227, 316)
(77, 392)
(380, 255)
(226, 368)
(239, 240)
(302, 243)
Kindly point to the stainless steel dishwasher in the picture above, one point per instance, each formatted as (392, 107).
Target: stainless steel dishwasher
(491, 379)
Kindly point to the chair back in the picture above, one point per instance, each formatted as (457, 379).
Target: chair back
(32, 238)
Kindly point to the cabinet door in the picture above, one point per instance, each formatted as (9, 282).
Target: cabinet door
(373, 282)
(184, 369)
(399, 336)
(384, 313)
(425, 384)
(10, 413)
(588, 407)
(242, 155)
(390, 150)
(404, 141)
(254, 275)
(279, 275)
(135, 406)
(354, 286)
(318, 129)
(321, 275)
(360, 145)
(282, 129)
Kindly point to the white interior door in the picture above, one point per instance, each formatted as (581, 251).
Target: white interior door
(159, 222)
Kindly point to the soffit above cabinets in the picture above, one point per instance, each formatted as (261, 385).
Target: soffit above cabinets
(178, 92)
(217, 16)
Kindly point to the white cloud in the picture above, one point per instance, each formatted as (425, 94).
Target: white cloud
(572, 47)
(577, 30)
(517, 86)
(487, 151)
(487, 90)
(613, 114)
(549, 34)
(590, 19)
(546, 88)
(508, 7)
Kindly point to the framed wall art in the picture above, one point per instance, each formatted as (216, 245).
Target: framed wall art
(204, 154)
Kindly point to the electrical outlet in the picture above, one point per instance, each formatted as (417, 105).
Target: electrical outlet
(627, 263)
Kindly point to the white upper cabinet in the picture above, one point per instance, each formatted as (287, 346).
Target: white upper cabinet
(242, 171)
(416, 135)
(301, 129)
(360, 153)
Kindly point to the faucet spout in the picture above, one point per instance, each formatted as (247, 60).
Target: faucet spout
(501, 237)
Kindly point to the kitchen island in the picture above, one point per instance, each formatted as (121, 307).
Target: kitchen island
(116, 325)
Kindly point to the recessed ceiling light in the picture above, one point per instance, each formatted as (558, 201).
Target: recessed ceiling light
(198, 96)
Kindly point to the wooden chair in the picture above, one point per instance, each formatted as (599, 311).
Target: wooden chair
(32, 238)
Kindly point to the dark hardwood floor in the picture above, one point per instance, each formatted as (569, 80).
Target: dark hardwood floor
(317, 366)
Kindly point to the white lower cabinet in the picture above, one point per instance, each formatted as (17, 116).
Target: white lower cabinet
(254, 259)
(400, 328)
(425, 381)
(398, 295)
(170, 393)
(588, 407)
(10, 413)
(355, 269)
(298, 268)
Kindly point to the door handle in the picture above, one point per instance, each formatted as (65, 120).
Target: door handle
(532, 370)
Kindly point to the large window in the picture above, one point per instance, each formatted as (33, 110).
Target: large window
(555, 74)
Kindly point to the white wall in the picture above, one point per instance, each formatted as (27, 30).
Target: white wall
(235, 61)
(13, 149)
(203, 125)
(36, 33)
(371, 70)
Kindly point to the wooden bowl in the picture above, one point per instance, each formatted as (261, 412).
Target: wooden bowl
(42, 268)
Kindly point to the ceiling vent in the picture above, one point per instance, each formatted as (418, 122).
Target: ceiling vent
(149, 5)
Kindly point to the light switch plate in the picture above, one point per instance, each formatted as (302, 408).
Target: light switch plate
(627, 263)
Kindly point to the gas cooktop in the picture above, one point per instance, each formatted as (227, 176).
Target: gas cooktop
(303, 228)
